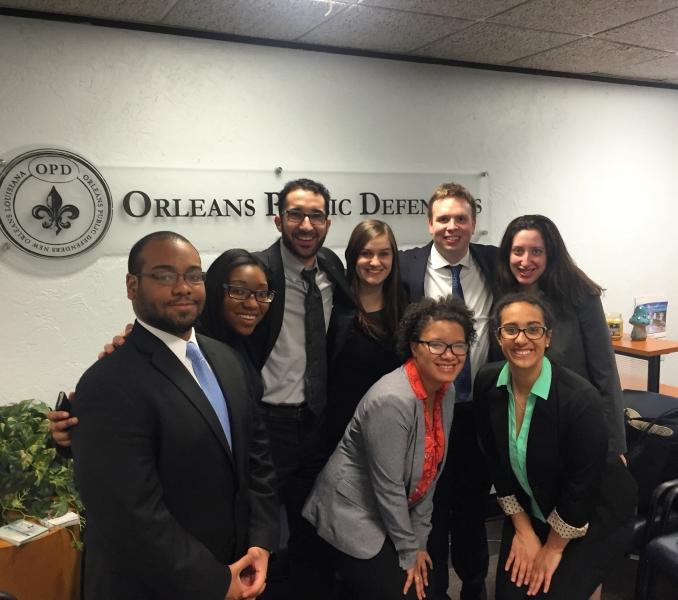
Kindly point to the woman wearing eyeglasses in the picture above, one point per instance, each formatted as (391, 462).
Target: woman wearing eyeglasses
(533, 258)
(372, 502)
(237, 298)
(569, 504)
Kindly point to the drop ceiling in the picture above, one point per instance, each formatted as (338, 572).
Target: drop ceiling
(635, 41)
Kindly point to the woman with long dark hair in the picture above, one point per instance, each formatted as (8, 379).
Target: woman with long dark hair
(533, 258)
(361, 341)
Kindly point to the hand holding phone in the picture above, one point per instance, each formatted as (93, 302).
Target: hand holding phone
(63, 403)
(60, 424)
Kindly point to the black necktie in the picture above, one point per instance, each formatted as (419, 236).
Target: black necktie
(462, 384)
(315, 376)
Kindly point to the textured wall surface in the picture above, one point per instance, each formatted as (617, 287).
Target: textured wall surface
(597, 158)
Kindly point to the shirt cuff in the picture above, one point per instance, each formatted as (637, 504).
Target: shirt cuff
(510, 505)
(565, 531)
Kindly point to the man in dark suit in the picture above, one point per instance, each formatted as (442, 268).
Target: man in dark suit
(292, 355)
(458, 521)
(171, 459)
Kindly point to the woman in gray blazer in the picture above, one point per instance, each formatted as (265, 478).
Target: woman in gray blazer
(533, 258)
(372, 502)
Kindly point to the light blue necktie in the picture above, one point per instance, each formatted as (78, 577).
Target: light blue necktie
(209, 384)
(462, 383)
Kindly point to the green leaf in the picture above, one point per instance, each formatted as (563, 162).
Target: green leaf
(34, 479)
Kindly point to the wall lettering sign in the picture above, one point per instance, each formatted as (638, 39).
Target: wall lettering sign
(56, 204)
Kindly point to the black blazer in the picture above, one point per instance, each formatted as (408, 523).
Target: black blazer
(413, 271)
(265, 335)
(169, 504)
(413, 266)
(566, 451)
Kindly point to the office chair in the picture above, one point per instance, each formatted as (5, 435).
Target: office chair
(659, 549)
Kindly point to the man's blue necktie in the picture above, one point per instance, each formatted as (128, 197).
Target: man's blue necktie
(209, 384)
(462, 384)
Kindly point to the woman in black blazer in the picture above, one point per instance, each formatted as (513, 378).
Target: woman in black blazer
(361, 339)
(569, 507)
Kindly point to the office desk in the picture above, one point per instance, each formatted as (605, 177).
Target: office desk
(45, 568)
(650, 350)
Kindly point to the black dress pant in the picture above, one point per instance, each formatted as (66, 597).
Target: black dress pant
(376, 578)
(586, 562)
(459, 510)
(299, 452)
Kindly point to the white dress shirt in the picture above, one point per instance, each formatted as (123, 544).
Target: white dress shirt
(176, 345)
(477, 296)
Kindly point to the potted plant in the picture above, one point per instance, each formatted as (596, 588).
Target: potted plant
(35, 481)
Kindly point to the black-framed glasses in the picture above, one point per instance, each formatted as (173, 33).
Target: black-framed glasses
(439, 348)
(296, 216)
(194, 277)
(238, 292)
(532, 332)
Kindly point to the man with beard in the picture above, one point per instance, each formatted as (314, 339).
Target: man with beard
(171, 458)
(290, 345)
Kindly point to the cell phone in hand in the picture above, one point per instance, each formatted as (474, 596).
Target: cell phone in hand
(63, 403)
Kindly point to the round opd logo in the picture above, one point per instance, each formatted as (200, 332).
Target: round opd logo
(55, 204)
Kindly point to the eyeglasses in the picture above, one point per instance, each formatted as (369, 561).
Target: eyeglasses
(195, 277)
(297, 216)
(237, 292)
(439, 348)
(532, 332)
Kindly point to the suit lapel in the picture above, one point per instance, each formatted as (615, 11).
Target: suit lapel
(337, 277)
(168, 364)
(418, 272)
(498, 410)
(263, 338)
(278, 308)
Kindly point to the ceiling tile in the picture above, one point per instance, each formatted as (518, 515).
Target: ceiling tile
(274, 19)
(462, 9)
(589, 56)
(120, 10)
(659, 31)
(577, 17)
(660, 69)
(493, 43)
(382, 30)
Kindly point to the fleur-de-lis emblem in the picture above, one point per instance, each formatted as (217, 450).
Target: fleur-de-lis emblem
(55, 213)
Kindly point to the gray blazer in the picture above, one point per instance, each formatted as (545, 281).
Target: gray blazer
(581, 342)
(360, 497)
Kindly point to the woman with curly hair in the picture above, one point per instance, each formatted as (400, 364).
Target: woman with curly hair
(373, 500)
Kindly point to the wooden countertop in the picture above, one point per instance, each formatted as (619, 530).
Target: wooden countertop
(645, 348)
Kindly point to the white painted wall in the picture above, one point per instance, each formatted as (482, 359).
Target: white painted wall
(600, 159)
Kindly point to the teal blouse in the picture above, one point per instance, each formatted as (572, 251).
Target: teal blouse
(518, 440)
